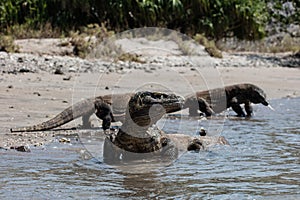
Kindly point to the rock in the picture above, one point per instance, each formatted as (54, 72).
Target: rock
(24, 70)
(294, 30)
(21, 148)
(58, 71)
(67, 78)
(20, 60)
(37, 93)
(195, 145)
(148, 71)
(72, 69)
(64, 140)
(202, 132)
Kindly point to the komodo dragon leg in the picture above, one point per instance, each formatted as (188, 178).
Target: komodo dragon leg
(248, 109)
(81, 109)
(234, 104)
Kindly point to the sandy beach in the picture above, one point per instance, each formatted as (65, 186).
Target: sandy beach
(32, 90)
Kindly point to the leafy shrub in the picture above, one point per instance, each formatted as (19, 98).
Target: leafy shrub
(24, 31)
(88, 38)
(214, 18)
(210, 46)
(7, 44)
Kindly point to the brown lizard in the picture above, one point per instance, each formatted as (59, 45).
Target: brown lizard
(219, 99)
(109, 108)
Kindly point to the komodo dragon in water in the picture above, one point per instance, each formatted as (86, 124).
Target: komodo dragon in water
(219, 99)
(109, 108)
(138, 138)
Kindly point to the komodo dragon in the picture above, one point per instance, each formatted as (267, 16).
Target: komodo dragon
(109, 108)
(219, 99)
(139, 139)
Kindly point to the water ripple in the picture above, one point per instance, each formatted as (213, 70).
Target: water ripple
(263, 162)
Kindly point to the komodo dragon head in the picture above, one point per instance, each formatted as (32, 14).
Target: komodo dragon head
(135, 138)
(146, 108)
(256, 95)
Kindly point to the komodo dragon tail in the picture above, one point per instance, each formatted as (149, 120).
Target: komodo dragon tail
(77, 110)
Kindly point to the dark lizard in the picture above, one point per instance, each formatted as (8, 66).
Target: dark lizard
(219, 99)
(138, 138)
(109, 108)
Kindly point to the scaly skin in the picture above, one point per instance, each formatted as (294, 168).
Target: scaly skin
(138, 138)
(219, 99)
(138, 135)
(108, 108)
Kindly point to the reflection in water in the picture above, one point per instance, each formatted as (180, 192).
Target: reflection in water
(142, 184)
(262, 163)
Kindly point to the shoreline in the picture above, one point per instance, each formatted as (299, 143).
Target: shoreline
(36, 87)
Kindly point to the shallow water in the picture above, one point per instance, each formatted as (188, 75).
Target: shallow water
(263, 162)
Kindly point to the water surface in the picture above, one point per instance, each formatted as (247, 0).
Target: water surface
(263, 162)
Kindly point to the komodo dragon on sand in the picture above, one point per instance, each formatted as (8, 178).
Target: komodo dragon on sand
(219, 99)
(138, 138)
(109, 108)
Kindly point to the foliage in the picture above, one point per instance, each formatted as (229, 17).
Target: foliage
(286, 44)
(284, 11)
(210, 46)
(23, 31)
(214, 18)
(130, 57)
(7, 44)
(22, 11)
(88, 38)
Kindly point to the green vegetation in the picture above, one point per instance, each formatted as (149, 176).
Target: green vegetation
(87, 38)
(131, 57)
(216, 19)
(286, 44)
(210, 46)
(7, 44)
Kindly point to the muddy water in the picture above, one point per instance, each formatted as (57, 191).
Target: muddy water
(263, 162)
